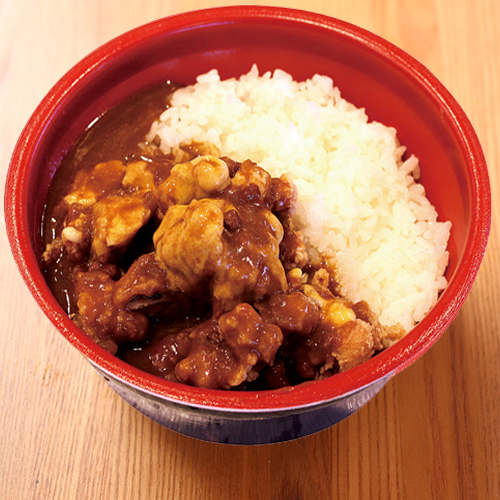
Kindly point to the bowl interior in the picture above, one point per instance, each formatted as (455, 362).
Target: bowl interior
(370, 73)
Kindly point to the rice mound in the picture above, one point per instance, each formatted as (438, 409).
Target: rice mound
(359, 202)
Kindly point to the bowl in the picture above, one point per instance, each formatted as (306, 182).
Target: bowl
(372, 73)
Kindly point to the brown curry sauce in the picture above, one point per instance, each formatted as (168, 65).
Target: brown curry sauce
(238, 307)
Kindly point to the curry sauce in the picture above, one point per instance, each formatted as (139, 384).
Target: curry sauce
(190, 266)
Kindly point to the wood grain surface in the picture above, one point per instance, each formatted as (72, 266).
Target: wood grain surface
(433, 432)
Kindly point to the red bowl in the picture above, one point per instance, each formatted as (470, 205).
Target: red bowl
(372, 73)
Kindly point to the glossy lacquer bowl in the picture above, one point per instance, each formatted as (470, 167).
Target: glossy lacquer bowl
(372, 73)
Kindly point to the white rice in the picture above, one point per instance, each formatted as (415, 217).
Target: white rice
(359, 203)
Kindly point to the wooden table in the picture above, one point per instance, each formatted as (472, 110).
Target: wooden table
(432, 433)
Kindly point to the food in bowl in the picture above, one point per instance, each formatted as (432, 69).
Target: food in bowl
(259, 234)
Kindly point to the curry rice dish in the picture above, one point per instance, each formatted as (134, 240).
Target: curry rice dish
(203, 253)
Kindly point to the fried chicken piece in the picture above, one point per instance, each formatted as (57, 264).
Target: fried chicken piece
(75, 239)
(199, 178)
(116, 311)
(146, 277)
(282, 198)
(294, 312)
(282, 201)
(89, 187)
(384, 336)
(106, 323)
(250, 338)
(207, 247)
(345, 339)
(230, 351)
(356, 344)
(106, 207)
(249, 174)
(293, 252)
(161, 357)
(189, 244)
(251, 268)
(117, 218)
(139, 177)
(146, 177)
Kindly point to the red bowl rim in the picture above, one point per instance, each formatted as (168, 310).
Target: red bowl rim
(385, 364)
